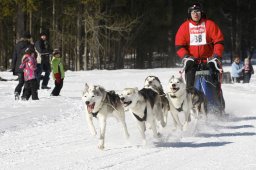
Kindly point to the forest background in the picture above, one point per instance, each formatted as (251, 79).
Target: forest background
(117, 34)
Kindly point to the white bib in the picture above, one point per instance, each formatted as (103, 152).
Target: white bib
(197, 34)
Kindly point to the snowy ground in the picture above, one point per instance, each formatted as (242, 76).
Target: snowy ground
(52, 133)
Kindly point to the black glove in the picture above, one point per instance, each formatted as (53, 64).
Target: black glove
(215, 56)
(189, 57)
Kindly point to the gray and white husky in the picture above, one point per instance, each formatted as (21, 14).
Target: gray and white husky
(181, 100)
(101, 104)
(146, 107)
(154, 83)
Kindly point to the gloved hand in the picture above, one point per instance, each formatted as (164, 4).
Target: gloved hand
(189, 57)
(57, 78)
(215, 57)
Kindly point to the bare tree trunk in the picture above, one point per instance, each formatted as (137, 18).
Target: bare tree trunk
(79, 38)
(41, 21)
(238, 29)
(53, 24)
(20, 20)
(85, 57)
(233, 31)
(140, 55)
(1, 45)
(30, 22)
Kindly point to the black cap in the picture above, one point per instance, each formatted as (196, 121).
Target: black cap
(26, 35)
(30, 49)
(43, 33)
(56, 51)
(197, 6)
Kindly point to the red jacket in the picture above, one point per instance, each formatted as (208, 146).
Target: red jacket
(200, 40)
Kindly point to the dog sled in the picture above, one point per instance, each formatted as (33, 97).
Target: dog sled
(209, 82)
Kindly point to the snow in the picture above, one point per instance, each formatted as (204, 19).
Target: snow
(52, 133)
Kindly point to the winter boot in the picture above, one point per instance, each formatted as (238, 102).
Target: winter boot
(45, 87)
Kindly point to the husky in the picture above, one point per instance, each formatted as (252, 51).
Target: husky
(199, 102)
(100, 104)
(146, 107)
(183, 100)
(153, 82)
(179, 101)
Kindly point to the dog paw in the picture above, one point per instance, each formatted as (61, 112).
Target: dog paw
(144, 142)
(174, 128)
(94, 133)
(163, 124)
(101, 147)
(185, 126)
(159, 135)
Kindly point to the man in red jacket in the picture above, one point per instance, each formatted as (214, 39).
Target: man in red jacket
(199, 40)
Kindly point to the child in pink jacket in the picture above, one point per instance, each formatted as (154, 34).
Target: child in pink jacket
(29, 68)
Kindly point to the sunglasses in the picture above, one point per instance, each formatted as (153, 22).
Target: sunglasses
(195, 12)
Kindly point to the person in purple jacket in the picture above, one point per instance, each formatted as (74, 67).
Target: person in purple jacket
(29, 69)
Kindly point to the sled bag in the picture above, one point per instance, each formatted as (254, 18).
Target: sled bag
(204, 83)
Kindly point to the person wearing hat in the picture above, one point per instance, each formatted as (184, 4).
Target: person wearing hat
(29, 70)
(58, 72)
(43, 50)
(19, 51)
(198, 39)
(199, 42)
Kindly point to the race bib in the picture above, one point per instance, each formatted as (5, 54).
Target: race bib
(197, 34)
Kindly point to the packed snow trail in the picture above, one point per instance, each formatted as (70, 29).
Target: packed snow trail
(52, 133)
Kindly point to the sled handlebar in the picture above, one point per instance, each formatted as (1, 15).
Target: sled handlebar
(215, 62)
(184, 61)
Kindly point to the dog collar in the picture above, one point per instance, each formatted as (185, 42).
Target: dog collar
(173, 96)
(144, 117)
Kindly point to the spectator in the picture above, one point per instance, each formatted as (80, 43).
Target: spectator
(19, 51)
(57, 72)
(237, 70)
(29, 68)
(43, 50)
(248, 70)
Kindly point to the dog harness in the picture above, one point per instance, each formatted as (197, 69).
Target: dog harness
(144, 117)
(111, 98)
(95, 114)
(180, 108)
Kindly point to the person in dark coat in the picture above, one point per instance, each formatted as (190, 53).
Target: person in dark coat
(43, 50)
(19, 51)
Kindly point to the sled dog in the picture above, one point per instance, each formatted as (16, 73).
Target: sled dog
(179, 101)
(199, 102)
(183, 100)
(100, 104)
(145, 105)
(153, 82)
